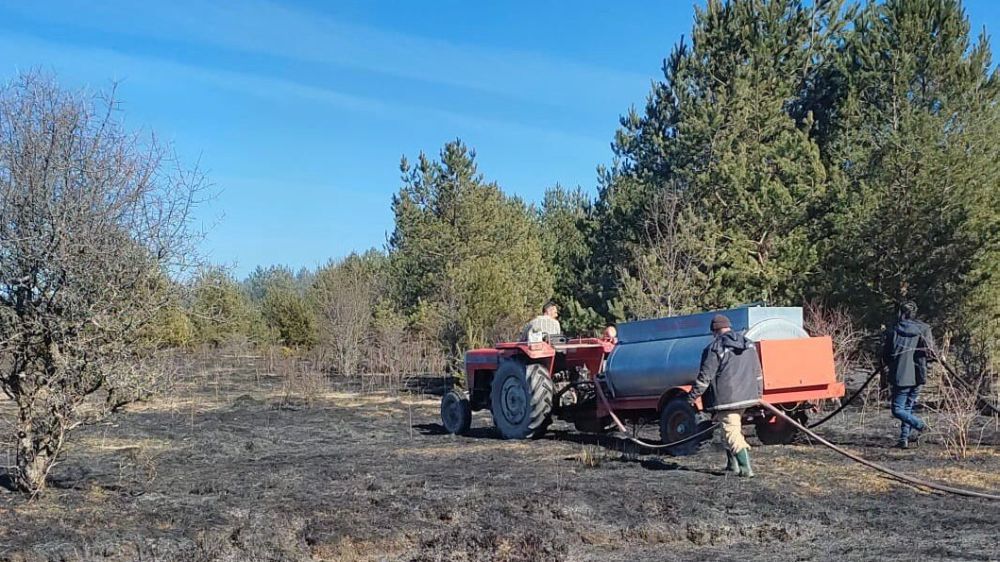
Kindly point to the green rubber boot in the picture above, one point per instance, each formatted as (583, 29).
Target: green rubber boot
(731, 464)
(743, 459)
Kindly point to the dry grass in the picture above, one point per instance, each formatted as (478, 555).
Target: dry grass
(449, 450)
(964, 477)
(377, 399)
(976, 455)
(351, 550)
(592, 456)
(105, 442)
(820, 479)
(278, 380)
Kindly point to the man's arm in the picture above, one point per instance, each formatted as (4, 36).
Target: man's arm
(887, 348)
(928, 343)
(706, 374)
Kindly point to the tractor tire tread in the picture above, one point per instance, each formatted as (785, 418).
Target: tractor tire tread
(456, 412)
(540, 391)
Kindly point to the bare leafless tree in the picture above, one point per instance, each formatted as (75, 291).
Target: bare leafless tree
(957, 419)
(94, 220)
(344, 295)
(849, 353)
(671, 267)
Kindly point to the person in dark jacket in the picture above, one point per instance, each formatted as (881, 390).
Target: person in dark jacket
(908, 346)
(730, 373)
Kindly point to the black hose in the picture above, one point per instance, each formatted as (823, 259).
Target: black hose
(897, 475)
(964, 383)
(621, 427)
(849, 400)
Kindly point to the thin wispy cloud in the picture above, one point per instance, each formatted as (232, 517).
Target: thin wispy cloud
(286, 107)
(267, 28)
(117, 65)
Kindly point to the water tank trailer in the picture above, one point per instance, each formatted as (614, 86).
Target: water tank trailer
(644, 375)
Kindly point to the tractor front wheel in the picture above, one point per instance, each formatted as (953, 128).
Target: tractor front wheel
(456, 413)
(521, 400)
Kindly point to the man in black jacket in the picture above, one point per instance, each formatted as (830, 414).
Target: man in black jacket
(730, 370)
(908, 347)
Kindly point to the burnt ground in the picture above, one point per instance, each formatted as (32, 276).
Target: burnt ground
(235, 464)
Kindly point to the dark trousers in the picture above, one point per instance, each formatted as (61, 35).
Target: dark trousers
(903, 399)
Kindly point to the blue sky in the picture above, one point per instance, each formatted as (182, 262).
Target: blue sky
(299, 111)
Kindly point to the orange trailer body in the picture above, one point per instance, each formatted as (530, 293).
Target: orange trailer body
(799, 370)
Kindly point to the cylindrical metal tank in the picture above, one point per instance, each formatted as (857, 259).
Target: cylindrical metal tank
(654, 355)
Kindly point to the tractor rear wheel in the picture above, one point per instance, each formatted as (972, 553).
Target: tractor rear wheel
(456, 413)
(678, 420)
(521, 400)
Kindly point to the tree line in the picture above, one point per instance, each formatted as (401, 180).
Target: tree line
(792, 151)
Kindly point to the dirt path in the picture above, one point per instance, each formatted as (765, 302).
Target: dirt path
(239, 468)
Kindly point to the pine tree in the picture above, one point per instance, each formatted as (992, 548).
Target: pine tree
(914, 161)
(219, 310)
(279, 295)
(566, 219)
(467, 260)
(725, 131)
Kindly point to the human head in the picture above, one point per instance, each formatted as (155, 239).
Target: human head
(720, 324)
(611, 333)
(908, 310)
(551, 309)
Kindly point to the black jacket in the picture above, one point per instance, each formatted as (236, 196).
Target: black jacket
(908, 346)
(730, 371)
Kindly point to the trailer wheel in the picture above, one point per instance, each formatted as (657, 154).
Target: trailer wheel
(678, 420)
(521, 400)
(456, 413)
(772, 430)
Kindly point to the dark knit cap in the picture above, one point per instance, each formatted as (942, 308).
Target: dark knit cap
(719, 322)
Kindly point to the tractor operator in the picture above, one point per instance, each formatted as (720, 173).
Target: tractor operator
(610, 334)
(730, 370)
(545, 324)
(908, 347)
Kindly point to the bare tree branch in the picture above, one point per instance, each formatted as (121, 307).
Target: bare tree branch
(94, 222)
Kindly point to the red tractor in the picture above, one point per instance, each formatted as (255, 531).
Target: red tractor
(644, 376)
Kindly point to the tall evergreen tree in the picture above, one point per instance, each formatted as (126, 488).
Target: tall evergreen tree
(566, 218)
(915, 166)
(467, 259)
(725, 132)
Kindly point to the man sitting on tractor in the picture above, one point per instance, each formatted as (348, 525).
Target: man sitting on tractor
(731, 369)
(544, 325)
(610, 334)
